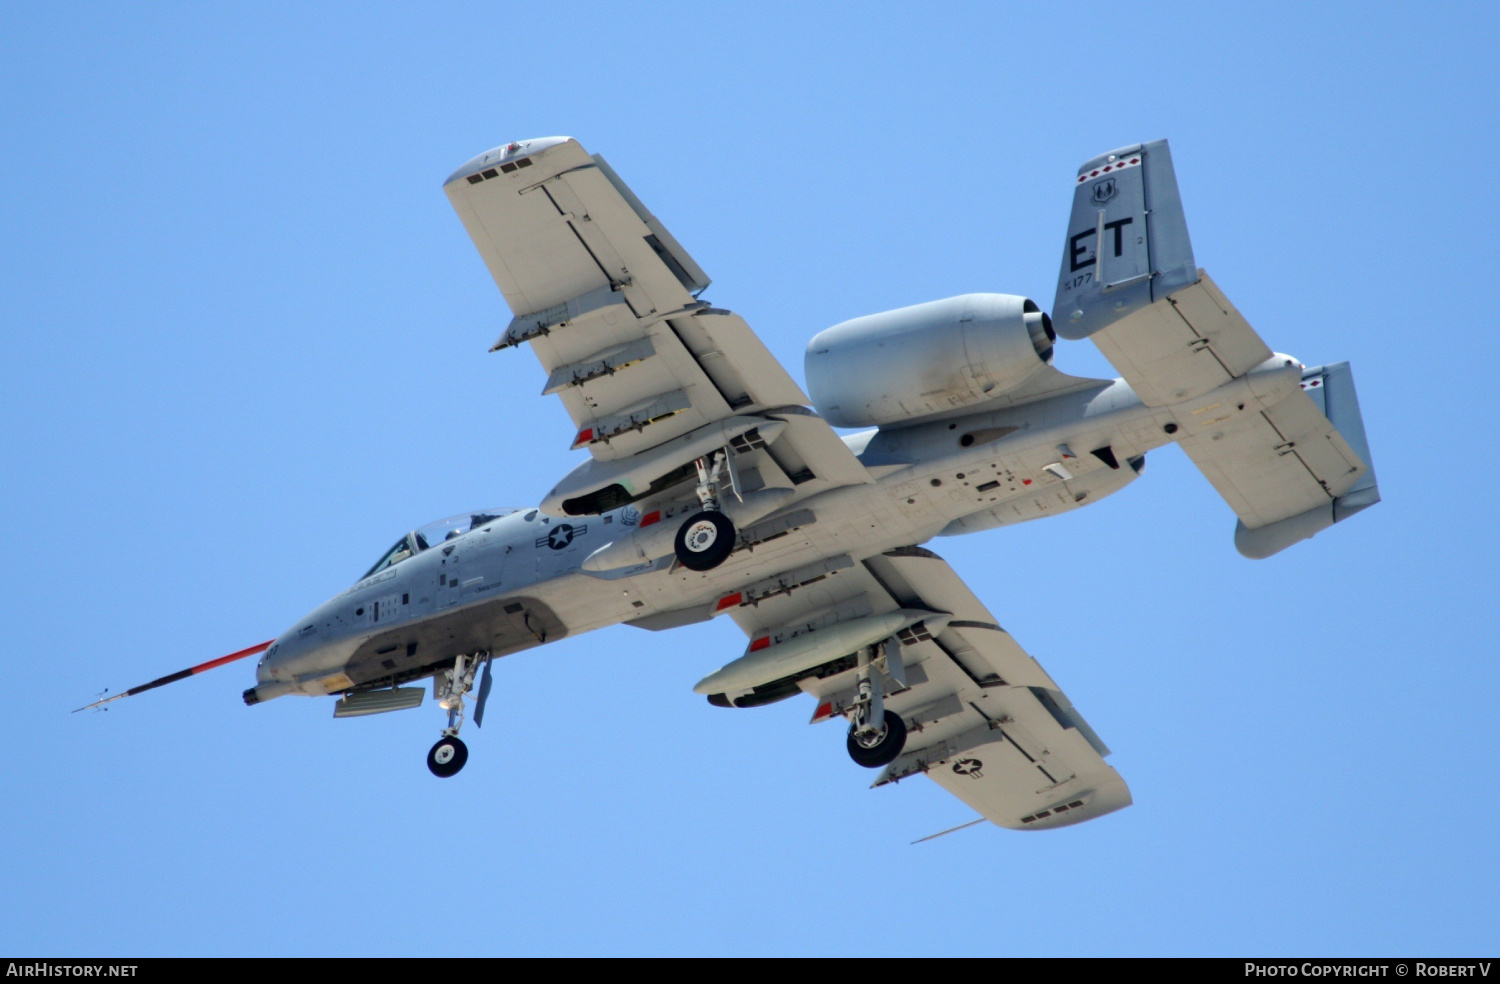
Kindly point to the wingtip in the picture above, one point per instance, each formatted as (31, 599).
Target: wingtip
(497, 156)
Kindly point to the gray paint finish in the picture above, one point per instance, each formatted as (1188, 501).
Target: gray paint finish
(976, 430)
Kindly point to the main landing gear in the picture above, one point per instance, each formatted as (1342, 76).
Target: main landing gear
(876, 735)
(450, 753)
(706, 539)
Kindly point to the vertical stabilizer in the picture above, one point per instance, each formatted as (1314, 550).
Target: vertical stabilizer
(1127, 242)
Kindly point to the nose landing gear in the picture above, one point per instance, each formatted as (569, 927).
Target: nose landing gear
(450, 753)
(447, 756)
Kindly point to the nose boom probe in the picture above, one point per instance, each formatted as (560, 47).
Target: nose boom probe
(183, 674)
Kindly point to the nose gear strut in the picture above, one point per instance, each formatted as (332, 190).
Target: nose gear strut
(450, 686)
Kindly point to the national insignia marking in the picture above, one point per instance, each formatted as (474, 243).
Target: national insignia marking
(969, 767)
(560, 536)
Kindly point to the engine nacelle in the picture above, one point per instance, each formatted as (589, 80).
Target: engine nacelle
(926, 359)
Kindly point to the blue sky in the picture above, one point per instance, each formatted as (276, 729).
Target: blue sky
(244, 349)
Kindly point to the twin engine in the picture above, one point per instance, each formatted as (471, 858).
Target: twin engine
(926, 359)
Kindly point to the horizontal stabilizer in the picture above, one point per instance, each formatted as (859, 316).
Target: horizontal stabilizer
(1293, 470)
(1331, 391)
(1129, 281)
(1182, 346)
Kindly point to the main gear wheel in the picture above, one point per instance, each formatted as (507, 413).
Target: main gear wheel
(705, 541)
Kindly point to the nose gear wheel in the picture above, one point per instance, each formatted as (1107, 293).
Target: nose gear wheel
(450, 686)
(447, 756)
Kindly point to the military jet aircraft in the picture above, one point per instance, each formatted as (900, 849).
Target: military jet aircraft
(714, 486)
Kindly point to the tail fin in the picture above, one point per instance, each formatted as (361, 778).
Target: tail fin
(1129, 281)
(1127, 242)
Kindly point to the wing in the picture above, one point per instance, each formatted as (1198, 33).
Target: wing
(984, 720)
(608, 300)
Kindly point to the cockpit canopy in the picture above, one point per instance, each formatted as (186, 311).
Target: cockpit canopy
(434, 534)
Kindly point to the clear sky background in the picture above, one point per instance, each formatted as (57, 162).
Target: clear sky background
(244, 349)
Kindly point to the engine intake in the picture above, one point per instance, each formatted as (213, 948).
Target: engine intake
(926, 359)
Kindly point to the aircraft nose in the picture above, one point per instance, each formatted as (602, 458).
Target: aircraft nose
(267, 673)
(265, 670)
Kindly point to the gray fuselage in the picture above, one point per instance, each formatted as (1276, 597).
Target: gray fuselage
(517, 581)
